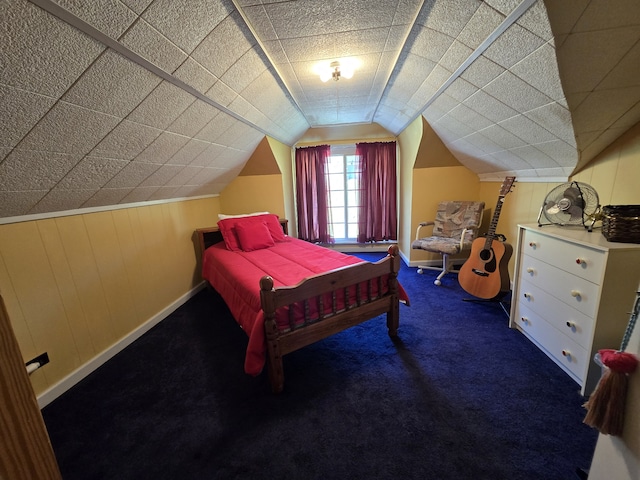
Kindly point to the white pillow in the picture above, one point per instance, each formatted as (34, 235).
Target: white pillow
(222, 216)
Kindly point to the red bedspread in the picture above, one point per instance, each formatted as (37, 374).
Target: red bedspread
(236, 277)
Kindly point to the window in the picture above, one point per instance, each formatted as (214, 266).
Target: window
(344, 195)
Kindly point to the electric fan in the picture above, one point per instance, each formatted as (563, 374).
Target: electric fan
(574, 203)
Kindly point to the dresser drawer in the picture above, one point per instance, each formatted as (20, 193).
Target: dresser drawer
(569, 321)
(574, 258)
(561, 349)
(570, 289)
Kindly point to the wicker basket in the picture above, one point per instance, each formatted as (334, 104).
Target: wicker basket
(621, 223)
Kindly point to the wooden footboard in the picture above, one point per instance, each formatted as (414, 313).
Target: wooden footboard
(368, 304)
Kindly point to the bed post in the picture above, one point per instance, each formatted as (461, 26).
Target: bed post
(274, 356)
(393, 315)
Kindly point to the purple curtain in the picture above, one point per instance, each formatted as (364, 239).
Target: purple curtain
(377, 219)
(312, 193)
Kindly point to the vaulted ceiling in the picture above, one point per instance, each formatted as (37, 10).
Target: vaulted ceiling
(108, 102)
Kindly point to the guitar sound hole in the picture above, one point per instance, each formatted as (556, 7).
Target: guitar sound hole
(485, 255)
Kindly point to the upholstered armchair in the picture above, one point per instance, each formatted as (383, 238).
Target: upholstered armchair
(454, 229)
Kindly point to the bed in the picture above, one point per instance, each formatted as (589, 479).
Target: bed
(286, 293)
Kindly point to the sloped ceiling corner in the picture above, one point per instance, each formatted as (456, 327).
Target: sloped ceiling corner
(122, 101)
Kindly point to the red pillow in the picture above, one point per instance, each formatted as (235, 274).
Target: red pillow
(228, 226)
(254, 236)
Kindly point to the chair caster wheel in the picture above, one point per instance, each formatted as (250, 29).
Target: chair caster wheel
(437, 282)
(420, 271)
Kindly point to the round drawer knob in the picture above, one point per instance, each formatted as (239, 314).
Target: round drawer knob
(533, 244)
(530, 270)
(575, 293)
(566, 353)
(525, 320)
(571, 324)
(527, 296)
(580, 261)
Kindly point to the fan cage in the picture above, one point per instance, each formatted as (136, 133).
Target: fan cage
(590, 201)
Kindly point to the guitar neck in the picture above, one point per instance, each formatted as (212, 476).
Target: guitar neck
(491, 233)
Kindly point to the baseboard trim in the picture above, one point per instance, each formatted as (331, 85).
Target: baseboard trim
(53, 392)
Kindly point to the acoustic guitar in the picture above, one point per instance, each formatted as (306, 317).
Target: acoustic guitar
(485, 273)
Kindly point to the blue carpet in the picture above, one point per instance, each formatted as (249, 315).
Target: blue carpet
(457, 396)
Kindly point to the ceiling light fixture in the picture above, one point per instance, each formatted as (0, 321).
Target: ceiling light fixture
(336, 71)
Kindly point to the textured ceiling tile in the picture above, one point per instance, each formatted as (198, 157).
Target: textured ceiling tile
(33, 170)
(554, 118)
(298, 49)
(188, 153)
(224, 45)
(20, 111)
(132, 175)
(193, 119)
(109, 16)
(244, 71)
(590, 56)
(453, 124)
(222, 94)
(162, 106)
(13, 204)
(361, 42)
(502, 137)
(162, 148)
(541, 71)
(533, 156)
(470, 118)
(137, 6)
(195, 75)
(92, 172)
(161, 176)
(482, 71)
(484, 21)
(216, 128)
(503, 6)
(535, 20)
(163, 193)
(626, 121)
(512, 46)
(139, 194)
(489, 107)
(447, 16)
(126, 141)
(187, 22)
(516, 93)
(150, 44)
(107, 196)
(527, 129)
(562, 153)
(455, 56)
(209, 156)
(58, 200)
(259, 21)
(46, 55)
(68, 128)
(460, 89)
(482, 143)
(113, 85)
(185, 176)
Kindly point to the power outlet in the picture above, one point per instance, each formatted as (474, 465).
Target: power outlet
(42, 359)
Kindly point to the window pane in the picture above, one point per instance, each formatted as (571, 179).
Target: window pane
(337, 215)
(338, 231)
(353, 214)
(353, 198)
(353, 231)
(336, 164)
(337, 198)
(336, 181)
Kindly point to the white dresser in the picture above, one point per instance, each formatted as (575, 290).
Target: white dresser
(573, 295)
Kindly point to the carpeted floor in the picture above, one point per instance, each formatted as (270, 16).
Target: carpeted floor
(458, 396)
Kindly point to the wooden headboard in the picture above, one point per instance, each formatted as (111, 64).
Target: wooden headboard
(211, 235)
